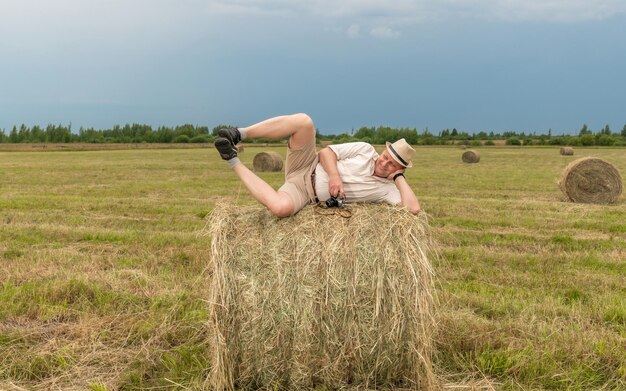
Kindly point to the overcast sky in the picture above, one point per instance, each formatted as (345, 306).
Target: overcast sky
(492, 65)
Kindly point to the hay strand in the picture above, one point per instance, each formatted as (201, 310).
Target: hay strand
(591, 180)
(267, 161)
(566, 151)
(470, 157)
(320, 300)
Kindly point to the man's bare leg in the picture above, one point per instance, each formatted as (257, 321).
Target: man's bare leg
(299, 128)
(277, 202)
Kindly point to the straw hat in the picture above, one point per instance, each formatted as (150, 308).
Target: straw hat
(401, 152)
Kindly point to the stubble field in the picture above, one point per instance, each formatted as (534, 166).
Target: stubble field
(103, 272)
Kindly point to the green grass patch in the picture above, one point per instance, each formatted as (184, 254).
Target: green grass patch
(103, 274)
(47, 300)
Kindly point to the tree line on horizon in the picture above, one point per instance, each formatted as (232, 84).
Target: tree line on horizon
(140, 133)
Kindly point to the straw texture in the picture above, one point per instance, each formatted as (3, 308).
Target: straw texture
(591, 180)
(320, 300)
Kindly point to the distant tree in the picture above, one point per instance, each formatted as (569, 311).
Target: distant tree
(606, 130)
(364, 132)
(429, 140)
(624, 131)
(37, 135)
(23, 135)
(555, 141)
(58, 134)
(183, 138)
(343, 138)
(464, 135)
(605, 139)
(13, 135)
(166, 135)
(513, 141)
(187, 130)
(410, 135)
(587, 139)
(584, 130)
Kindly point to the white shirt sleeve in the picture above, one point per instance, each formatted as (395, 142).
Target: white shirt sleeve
(350, 150)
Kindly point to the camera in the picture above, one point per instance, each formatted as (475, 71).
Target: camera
(335, 202)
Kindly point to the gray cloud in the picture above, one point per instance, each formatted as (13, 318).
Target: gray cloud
(393, 11)
(388, 18)
(400, 11)
(384, 32)
(532, 10)
(353, 31)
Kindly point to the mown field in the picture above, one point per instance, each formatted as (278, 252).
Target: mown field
(103, 272)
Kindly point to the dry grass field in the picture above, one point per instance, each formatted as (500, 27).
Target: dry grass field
(103, 271)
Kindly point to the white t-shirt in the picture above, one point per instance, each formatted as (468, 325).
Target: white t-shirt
(355, 163)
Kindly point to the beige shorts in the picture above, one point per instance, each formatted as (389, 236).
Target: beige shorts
(299, 166)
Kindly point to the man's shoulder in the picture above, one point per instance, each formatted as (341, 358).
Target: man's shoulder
(356, 145)
(359, 143)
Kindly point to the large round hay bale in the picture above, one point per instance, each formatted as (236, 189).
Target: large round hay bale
(566, 151)
(267, 161)
(591, 180)
(320, 301)
(470, 157)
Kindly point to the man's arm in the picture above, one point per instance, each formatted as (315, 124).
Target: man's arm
(328, 160)
(408, 198)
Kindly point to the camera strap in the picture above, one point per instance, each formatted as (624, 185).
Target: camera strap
(321, 209)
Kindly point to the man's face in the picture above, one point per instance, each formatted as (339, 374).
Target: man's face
(385, 165)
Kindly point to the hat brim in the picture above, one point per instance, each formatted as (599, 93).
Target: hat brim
(394, 156)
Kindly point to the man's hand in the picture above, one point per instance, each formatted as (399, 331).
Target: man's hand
(328, 159)
(335, 186)
(390, 177)
(407, 196)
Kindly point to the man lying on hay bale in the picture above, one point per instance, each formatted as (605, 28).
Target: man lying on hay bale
(350, 172)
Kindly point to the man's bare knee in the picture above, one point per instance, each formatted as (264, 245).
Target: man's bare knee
(281, 211)
(303, 123)
(304, 130)
(282, 207)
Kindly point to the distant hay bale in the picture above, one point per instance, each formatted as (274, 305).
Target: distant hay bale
(318, 300)
(325, 143)
(267, 161)
(591, 180)
(566, 151)
(471, 157)
(240, 147)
